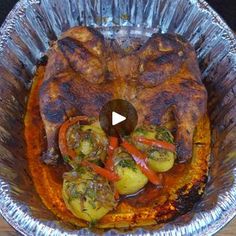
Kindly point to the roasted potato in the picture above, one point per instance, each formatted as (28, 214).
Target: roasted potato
(87, 195)
(161, 160)
(88, 141)
(143, 131)
(131, 177)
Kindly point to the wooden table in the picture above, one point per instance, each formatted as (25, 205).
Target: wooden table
(6, 230)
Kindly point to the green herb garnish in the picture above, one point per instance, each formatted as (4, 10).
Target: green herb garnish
(73, 192)
(80, 170)
(80, 156)
(128, 164)
(66, 159)
(91, 193)
(92, 223)
(164, 134)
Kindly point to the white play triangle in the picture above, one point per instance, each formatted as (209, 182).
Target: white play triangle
(117, 118)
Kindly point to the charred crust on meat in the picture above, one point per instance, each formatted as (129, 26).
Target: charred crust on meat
(65, 86)
(96, 33)
(161, 68)
(50, 157)
(82, 60)
(70, 45)
(100, 99)
(42, 61)
(184, 153)
(53, 111)
(194, 117)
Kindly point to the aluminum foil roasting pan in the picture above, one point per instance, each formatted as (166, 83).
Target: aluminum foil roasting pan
(25, 37)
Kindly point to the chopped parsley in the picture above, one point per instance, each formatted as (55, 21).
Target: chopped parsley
(128, 164)
(73, 192)
(91, 193)
(164, 134)
(92, 223)
(92, 203)
(66, 159)
(80, 156)
(80, 170)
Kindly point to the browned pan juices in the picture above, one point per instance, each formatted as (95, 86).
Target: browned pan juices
(183, 184)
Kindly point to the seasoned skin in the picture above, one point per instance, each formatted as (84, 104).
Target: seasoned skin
(84, 72)
(82, 61)
(67, 91)
(172, 82)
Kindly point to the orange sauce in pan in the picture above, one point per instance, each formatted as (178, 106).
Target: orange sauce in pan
(147, 207)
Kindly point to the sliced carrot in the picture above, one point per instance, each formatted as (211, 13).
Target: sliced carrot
(140, 158)
(156, 143)
(65, 150)
(113, 144)
(101, 171)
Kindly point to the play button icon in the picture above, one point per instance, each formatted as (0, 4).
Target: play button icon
(118, 118)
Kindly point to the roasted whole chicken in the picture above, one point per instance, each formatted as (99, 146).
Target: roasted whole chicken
(161, 79)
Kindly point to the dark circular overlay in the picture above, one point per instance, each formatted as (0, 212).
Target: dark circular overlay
(123, 108)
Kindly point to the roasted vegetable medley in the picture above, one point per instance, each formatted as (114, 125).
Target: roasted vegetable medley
(104, 168)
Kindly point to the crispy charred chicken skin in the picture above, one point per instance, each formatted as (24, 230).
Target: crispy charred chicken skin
(85, 71)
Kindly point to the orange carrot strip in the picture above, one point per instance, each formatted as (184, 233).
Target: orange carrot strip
(113, 144)
(101, 171)
(157, 143)
(65, 150)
